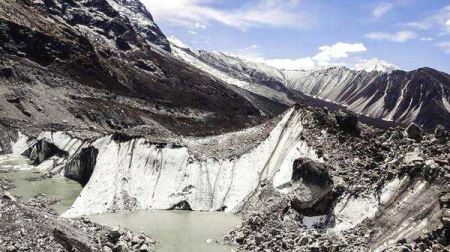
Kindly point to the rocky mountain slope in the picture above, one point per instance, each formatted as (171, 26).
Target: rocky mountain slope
(105, 66)
(421, 96)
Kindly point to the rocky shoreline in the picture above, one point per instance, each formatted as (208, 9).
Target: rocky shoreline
(30, 225)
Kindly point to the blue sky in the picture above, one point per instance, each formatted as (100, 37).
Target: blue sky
(311, 33)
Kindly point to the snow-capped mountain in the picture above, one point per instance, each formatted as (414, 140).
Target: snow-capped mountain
(375, 89)
(376, 65)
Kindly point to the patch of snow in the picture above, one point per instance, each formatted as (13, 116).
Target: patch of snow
(311, 221)
(351, 211)
(22, 144)
(446, 103)
(375, 65)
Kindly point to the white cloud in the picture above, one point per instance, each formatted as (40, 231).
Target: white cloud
(400, 36)
(445, 46)
(325, 57)
(381, 9)
(200, 26)
(339, 50)
(440, 19)
(199, 13)
(426, 39)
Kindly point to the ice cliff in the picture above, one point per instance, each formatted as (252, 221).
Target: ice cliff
(139, 174)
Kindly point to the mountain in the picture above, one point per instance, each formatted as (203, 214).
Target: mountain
(93, 91)
(376, 65)
(376, 90)
(104, 65)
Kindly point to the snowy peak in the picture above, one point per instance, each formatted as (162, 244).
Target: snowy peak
(376, 65)
(141, 20)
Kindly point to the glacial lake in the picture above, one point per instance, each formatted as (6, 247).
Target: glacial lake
(178, 231)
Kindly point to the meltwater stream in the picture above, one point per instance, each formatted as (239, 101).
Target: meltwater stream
(175, 230)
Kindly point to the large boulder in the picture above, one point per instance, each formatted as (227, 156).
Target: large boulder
(441, 134)
(347, 121)
(312, 182)
(446, 217)
(414, 132)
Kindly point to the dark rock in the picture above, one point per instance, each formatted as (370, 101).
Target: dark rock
(240, 237)
(446, 217)
(183, 205)
(311, 172)
(441, 134)
(347, 121)
(414, 132)
(14, 99)
(6, 72)
(71, 243)
(114, 235)
(121, 247)
(315, 181)
(444, 200)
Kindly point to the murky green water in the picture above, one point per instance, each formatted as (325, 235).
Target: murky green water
(180, 231)
(176, 231)
(61, 188)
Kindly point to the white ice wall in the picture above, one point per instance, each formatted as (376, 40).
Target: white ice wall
(138, 175)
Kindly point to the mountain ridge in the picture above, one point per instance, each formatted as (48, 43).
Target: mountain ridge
(386, 96)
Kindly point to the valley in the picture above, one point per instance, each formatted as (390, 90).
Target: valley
(115, 138)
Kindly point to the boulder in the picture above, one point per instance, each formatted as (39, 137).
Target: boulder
(446, 217)
(115, 234)
(444, 199)
(121, 247)
(414, 132)
(240, 237)
(6, 72)
(313, 182)
(347, 121)
(7, 195)
(441, 134)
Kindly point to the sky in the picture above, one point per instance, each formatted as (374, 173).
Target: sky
(307, 34)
